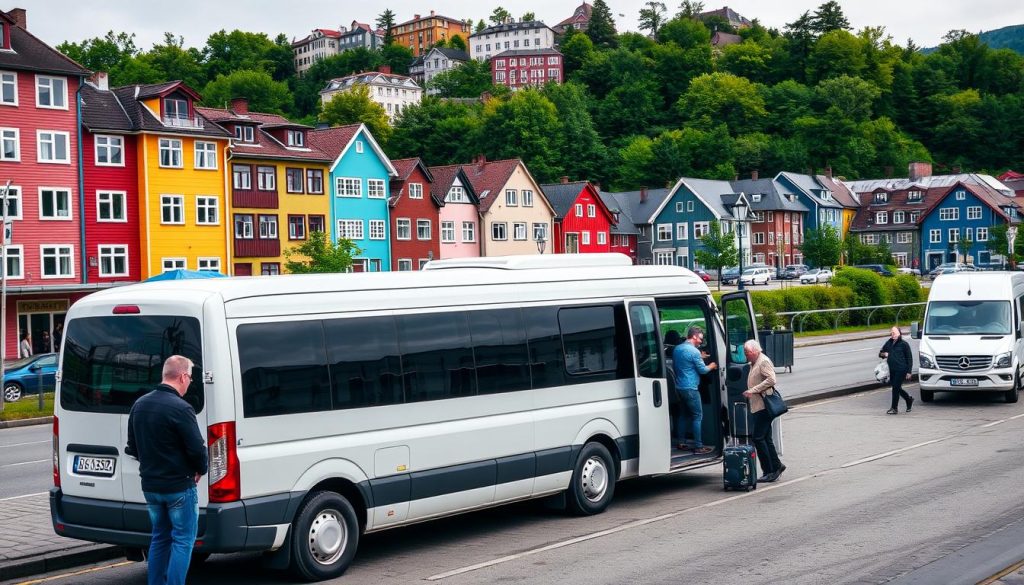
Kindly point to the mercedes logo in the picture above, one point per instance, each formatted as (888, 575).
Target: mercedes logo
(964, 363)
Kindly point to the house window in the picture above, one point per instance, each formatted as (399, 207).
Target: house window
(591, 210)
(679, 206)
(448, 232)
(243, 227)
(53, 146)
(207, 210)
(175, 108)
(913, 196)
(10, 144)
(663, 258)
(499, 231)
(13, 202)
(110, 151)
(981, 234)
(8, 88)
(949, 214)
(969, 235)
(172, 264)
(172, 209)
(375, 188)
(57, 261)
(51, 92)
(468, 231)
(54, 203)
(111, 206)
(113, 260)
(689, 206)
(415, 190)
(266, 179)
(960, 195)
(296, 227)
(404, 264)
(403, 228)
(296, 138)
(293, 180)
(378, 229)
(974, 212)
(934, 236)
(209, 264)
(771, 238)
(359, 143)
(206, 155)
(317, 224)
(954, 235)
(700, 229)
(423, 229)
(245, 133)
(881, 197)
(170, 153)
(511, 198)
(868, 238)
(585, 237)
(241, 177)
(349, 187)
(664, 232)
(602, 238)
(681, 231)
(14, 262)
(578, 209)
(897, 217)
(882, 217)
(914, 216)
(759, 237)
(351, 229)
(904, 237)
(268, 227)
(519, 231)
(314, 181)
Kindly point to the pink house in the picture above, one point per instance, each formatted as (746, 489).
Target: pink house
(459, 219)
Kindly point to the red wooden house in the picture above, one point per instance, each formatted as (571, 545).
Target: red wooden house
(39, 156)
(414, 212)
(583, 223)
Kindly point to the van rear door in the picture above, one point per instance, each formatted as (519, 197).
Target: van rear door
(109, 360)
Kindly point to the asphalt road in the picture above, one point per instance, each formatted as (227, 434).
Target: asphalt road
(25, 460)
(836, 365)
(867, 498)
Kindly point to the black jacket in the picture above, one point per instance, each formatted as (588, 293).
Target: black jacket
(901, 357)
(164, 436)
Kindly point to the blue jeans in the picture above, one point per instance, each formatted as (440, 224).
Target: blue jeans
(691, 415)
(175, 520)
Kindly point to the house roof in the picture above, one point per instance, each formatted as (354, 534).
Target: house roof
(926, 182)
(991, 197)
(334, 142)
(562, 196)
(488, 178)
(370, 77)
(641, 205)
(810, 187)
(453, 54)
(581, 14)
(728, 14)
(264, 144)
(119, 109)
(526, 52)
(430, 16)
(710, 192)
(625, 224)
(1011, 176)
(28, 53)
(405, 168)
(444, 178)
(510, 26)
(774, 196)
(101, 110)
(840, 191)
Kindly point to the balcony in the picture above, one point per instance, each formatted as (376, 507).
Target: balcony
(195, 123)
(254, 198)
(257, 248)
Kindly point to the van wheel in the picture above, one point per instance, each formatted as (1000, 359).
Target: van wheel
(593, 481)
(1013, 395)
(12, 392)
(325, 535)
(927, 395)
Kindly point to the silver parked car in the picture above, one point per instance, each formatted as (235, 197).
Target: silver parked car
(815, 276)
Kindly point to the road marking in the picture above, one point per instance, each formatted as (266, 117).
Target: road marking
(1016, 417)
(893, 452)
(23, 444)
(994, 423)
(1002, 573)
(25, 463)
(24, 496)
(76, 573)
(841, 352)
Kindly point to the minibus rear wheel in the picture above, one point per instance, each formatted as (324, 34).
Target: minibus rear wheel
(325, 535)
(593, 481)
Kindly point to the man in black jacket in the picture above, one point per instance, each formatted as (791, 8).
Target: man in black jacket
(164, 436)
(900, 359)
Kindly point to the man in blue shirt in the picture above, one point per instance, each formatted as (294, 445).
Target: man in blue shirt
(688, 366)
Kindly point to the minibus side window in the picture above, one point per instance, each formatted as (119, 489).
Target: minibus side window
(437, 356)
(499, 344)
(284, 368)
(366, 363)
(547, 366)
(588, 341)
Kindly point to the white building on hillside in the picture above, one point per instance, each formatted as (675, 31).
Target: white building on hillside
(394, 92)
(510, 36)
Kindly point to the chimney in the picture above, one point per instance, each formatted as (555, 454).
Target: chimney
(240, 105)
(920, 169)
(385, 69)
(415, 16)
(889, 170)
(100, 79)
(480, 159)
(564, 179)
(828, 172)
(753, 175)
(643, 194)
(20, 17)
(431, 13)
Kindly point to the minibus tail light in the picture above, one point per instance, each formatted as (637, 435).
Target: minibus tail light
(56, 452)
(126, 310)
(225, 481)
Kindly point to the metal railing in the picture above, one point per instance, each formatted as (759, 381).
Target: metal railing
(802, 315)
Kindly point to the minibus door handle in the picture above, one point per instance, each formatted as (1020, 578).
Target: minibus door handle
(657, 393)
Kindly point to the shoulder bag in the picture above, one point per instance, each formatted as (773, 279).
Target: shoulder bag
(774, 403)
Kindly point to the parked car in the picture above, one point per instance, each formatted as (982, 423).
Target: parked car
(950, 268)
(913, 271)
(878, 268)
(703, 275)
(793, 271)
(815, 276)
(756, 275)
(29, 376)
(730, 275)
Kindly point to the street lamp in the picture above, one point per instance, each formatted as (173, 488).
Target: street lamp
(739, 211)
(1011, 238)
(541, 242)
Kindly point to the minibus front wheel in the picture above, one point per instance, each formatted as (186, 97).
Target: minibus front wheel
(325, 535)
(1013, 394)
(593, 480)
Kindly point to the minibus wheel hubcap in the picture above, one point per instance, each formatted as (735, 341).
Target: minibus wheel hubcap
(594, 479)
(328, 537)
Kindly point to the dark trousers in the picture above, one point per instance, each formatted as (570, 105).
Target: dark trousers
(896, 379)
(764, 444)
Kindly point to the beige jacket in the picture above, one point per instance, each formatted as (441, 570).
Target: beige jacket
(761, 380)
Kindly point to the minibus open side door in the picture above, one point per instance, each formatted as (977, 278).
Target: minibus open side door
(740, 326)
(651, 387)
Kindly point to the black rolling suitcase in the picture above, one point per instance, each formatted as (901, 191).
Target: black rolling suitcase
(740, 458)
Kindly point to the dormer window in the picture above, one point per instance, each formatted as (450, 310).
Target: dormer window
(244, 133)
(176, 108)
(826, 195)
(913, 196)
(5, 35)
(756, 197)
(296, 138)
(881, 197)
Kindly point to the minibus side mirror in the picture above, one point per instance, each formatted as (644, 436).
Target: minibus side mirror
(915, 330)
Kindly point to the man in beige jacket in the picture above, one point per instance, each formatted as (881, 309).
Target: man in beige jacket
(761, 381)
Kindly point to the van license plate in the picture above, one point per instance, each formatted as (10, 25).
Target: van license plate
(963, 382)
(102, 466)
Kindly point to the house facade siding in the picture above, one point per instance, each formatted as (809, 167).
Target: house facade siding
(955, 218)
(111, 210)
(412, 246)
(354, 212)
(537, 216)
(775, 227)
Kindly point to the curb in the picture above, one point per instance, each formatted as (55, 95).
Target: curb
(25, 422)
(67, 559)
(881, 334)
(836, 392)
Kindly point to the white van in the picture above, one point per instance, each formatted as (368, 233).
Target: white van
(336, 405)
(971, 339)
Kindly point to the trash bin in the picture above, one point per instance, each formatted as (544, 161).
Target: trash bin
(778, 345)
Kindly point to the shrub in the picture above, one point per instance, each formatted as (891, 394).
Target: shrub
(866, 285)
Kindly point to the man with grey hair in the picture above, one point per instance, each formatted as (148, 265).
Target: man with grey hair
(164, 436)
(688, 366)
(761, 381)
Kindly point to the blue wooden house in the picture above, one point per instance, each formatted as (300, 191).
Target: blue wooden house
(685, 216)
(359, 188)
(956, 228)
(821, 202)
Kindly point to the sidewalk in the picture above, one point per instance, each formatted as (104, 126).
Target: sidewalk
(879, 334)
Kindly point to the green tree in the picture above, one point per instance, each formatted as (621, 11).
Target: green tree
(500, 16)
(110, 54)
(718, 98)
(264, 94)
(480, 26)
(525, 126)
(601, 29)
(468, 80)
(438, 131)
(168, 61)
(577, 50)
(589, 160)
(837, 53)
(690, 9)
(998, 243)
(529, 17)
(829, 17)
(317, 255)
(718, 250)
(353, 106)
(823, 247)
(226, 52)
(386, 21)
(652, 16)
(458, 43)
(397, 57)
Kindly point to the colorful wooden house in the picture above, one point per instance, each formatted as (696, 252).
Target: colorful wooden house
(459, 216)
(583, 223)
(776, 221)
(638, 207)
(277, 187)
(685, 217)
(514, 214)
(359, 188)
(956, 228)
(414, 216)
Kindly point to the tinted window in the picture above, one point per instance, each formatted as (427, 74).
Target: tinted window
(109, 362)
(284, 368)
(588, 340)
(502, 357)
(547, 366)
(366, 368)
(437, 356)
(645, 341)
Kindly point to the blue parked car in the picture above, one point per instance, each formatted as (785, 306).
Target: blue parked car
(29, 375)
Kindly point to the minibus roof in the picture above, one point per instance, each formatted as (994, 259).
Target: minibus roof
(961, 286)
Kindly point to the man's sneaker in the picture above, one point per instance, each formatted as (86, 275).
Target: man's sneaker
(910, 403)
(779, 472)
(892, 411)
(703, 450)
(684, 447)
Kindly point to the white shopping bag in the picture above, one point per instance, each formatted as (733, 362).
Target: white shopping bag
(882, 372)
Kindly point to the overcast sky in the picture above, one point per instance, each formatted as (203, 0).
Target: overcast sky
(925, 21)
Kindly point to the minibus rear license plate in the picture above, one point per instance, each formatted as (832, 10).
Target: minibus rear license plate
(963, 382)
(101, 466)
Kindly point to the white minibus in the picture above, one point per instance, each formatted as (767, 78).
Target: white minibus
(972, 335)
(337, 405)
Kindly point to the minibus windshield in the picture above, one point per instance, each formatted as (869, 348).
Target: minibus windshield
(109, 362)
(968, 318)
